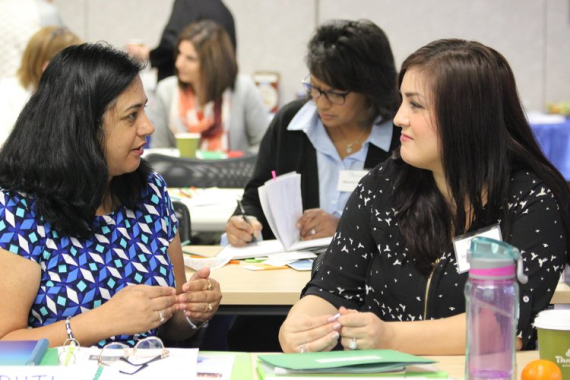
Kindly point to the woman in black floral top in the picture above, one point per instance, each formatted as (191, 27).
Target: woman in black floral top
(391, 271)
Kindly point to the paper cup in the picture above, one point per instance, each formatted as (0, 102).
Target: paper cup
(553, 328)
(187, 144)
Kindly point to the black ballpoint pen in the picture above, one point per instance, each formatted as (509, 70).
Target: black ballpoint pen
(242, 210)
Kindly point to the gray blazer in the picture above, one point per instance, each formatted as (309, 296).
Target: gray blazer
(249, 118)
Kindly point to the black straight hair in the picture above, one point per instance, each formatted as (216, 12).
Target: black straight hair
(56, 151)
(356, 56)
(484, 136)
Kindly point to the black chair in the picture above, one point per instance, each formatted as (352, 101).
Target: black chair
(184, 223)
(317, 263)
(188, 172)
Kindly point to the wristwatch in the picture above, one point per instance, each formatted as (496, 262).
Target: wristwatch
(197, 326)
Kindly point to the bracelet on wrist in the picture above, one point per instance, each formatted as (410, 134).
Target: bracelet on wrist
(68, 328)
(196, 326)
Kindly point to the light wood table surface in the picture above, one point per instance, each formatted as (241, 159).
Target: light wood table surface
(275, 291)
(453, 365)
(561, 294)
(268, 292)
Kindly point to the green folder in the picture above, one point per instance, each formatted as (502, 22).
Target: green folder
(359, 363)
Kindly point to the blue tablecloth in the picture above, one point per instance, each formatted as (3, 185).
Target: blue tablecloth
(554, 139)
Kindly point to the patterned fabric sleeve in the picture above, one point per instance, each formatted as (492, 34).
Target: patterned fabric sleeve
(20, 232)
(537, 231)
(169, 215)
(341, 278)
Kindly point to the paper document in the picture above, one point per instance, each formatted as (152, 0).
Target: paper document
(211, 366)
(282, 205)
(180, 364)
(271, 247)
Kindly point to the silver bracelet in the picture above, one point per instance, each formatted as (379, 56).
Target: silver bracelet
(195, 326)
(68, 328)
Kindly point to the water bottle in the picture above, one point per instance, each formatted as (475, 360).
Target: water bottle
(492, 304)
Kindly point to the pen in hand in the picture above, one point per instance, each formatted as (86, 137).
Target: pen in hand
(242, 210)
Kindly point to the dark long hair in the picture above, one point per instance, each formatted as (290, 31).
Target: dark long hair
(356, 56)
(55, 152)
(218, 65)
(483, 134)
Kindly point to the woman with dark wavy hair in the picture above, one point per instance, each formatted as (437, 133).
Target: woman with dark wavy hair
(468, 161)
(89, 247)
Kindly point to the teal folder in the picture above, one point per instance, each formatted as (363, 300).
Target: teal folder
(22, 352)
(359, 363)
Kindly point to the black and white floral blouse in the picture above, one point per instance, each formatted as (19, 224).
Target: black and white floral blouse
(365, 267)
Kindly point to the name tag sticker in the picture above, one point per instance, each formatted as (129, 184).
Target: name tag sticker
(462, 243)
(348, 179)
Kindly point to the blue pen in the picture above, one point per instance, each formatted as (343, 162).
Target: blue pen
(242, 210)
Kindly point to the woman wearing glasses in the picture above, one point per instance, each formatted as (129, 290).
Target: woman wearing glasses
(346, 126)
(345, 129)
(89, 248)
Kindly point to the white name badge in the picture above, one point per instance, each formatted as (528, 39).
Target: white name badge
(462, 243)
(348, 179)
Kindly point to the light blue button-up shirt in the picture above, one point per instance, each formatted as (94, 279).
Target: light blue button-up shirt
(328, 160)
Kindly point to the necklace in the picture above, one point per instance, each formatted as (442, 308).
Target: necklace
(355, 142)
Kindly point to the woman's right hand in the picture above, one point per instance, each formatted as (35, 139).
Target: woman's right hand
(303, 333)
(139, 308)
(240, 232)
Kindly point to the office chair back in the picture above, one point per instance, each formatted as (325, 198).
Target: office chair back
(184, 223)
(188, 172)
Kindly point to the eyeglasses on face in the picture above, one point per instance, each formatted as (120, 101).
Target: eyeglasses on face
(145, 352)
(335, 97)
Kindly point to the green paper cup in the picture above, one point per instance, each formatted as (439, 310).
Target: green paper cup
(553, 328)
(187, 144)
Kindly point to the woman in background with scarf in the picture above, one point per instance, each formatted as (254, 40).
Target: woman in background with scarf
(207, 96)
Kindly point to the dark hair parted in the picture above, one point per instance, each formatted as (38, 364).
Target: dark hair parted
(56, 151)
(356, 56)
(218, 65)
(483, 135)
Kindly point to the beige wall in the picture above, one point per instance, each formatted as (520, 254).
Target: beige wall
(272, 34)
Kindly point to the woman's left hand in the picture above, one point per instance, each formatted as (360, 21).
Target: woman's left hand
(201, 296)
(363, 331)
(316, 223)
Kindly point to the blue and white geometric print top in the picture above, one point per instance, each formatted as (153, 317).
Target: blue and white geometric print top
(127, 248)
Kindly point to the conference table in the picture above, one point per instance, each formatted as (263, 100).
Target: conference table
(244, 367)
(273, 292)
(453, 365)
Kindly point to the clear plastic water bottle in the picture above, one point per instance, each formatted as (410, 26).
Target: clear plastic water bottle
(492, 304)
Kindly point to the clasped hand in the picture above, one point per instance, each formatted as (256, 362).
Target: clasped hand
(201, 296)
(139, 308)
(322, 333)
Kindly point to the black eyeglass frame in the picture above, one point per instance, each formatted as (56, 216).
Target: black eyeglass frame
(310, 88)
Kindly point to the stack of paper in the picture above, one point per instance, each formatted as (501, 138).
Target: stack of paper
(282, 205)
(270, 247)
(346, 364)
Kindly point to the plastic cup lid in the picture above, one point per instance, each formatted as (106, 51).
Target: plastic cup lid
(553, 320)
